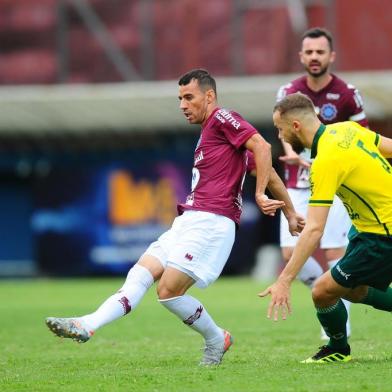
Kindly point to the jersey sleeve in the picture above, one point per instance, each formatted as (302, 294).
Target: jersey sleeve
(372, 136)
(326, 175)
(355, 103)
(237, 131)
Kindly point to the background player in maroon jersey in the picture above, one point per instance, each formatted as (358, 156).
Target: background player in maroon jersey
(196, 247)
(334, 101)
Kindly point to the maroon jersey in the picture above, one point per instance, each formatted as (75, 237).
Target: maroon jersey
(220, 164)
(336, 102)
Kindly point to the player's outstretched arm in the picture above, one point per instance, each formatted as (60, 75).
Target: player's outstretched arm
(307, 243)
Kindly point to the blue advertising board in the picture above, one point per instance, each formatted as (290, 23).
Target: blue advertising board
(94, 213)
(100, 219)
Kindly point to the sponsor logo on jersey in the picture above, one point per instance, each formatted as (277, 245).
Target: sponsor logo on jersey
(328, 111)
(351, 213)
(333, 96)
(190, 320)
(199, 157)
(224, 115)
(348, 137)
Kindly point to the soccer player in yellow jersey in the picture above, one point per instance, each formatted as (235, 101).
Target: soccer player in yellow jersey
(349, 161)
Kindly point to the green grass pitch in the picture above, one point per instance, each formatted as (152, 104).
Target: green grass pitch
(150, 350)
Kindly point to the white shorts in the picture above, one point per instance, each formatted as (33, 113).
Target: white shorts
(336, 229)
(198, 244)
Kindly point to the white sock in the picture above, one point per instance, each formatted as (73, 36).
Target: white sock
(310, 271)
(193, 314)
(138, 281)
(347, 304)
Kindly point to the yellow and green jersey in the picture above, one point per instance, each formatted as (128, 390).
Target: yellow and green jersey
(347, 163)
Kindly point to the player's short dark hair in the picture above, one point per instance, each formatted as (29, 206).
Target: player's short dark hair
(317, 32)
(294, 102)
(205, 80)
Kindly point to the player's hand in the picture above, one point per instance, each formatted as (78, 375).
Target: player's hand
(268, 206)
(293, 158)
(280, 300)
(296, 224)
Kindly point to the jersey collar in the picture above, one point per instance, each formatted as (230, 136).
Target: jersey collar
(317, 136)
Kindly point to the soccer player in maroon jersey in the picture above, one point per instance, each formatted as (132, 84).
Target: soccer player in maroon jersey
(195, 249)
(334, 101)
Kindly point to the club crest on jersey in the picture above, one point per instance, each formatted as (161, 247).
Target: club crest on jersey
(328, 111)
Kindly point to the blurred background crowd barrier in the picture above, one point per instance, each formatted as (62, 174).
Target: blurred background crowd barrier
(94, 152)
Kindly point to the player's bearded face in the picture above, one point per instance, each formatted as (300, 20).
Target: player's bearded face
(287, 133)
(316, 56)
(316, 69)
(296, 144)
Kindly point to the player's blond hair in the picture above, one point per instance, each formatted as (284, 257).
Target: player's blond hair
(297, 103)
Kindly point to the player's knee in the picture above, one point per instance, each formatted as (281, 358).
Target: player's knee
(152, 264)
(318, 294)
(357, 295)
(326, 291)
(165, 292)
(322, 295)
